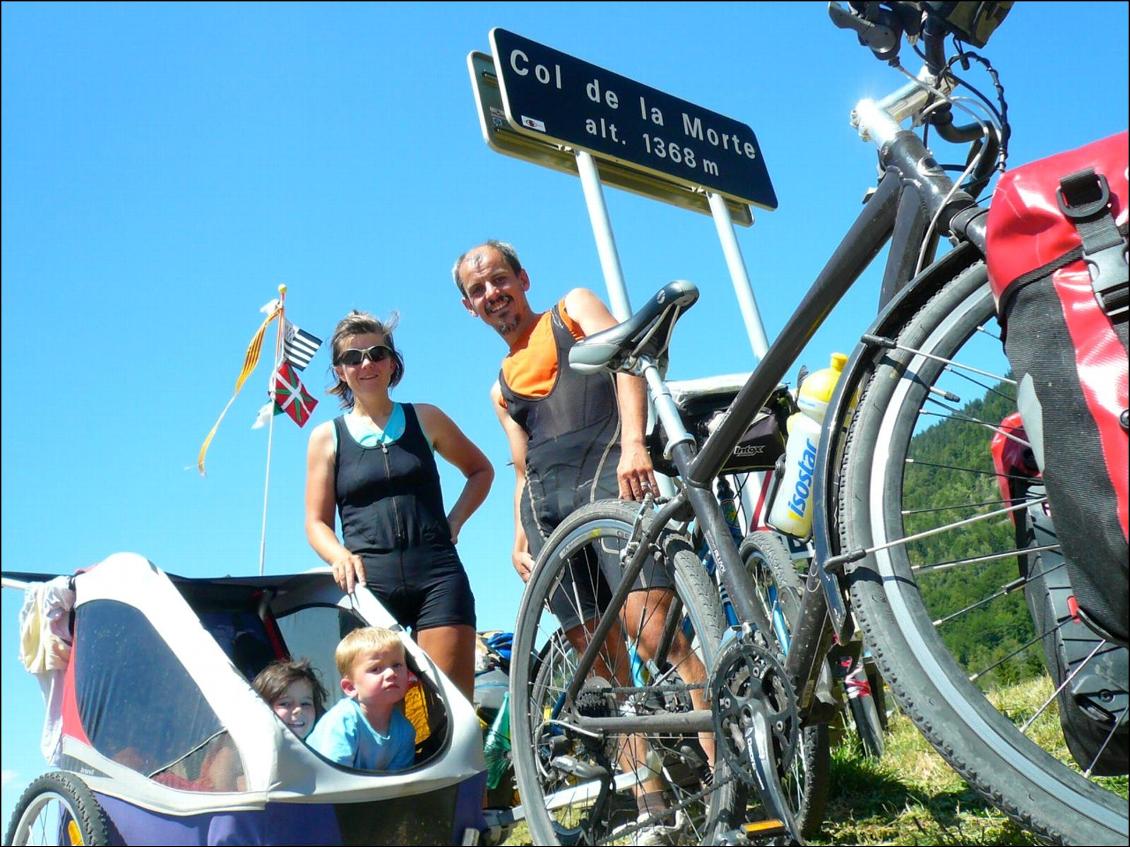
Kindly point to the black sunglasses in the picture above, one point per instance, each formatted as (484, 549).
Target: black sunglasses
(353, 356)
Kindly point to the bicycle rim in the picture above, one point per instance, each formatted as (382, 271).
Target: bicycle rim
(555, 759)
(899, 480)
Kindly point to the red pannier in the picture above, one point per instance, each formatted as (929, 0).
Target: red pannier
(1057, 256)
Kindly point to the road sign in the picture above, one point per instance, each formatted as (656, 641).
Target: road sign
(503, 138)
(548, 94)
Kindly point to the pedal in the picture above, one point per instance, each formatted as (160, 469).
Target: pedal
(770, 828)
(581, 770)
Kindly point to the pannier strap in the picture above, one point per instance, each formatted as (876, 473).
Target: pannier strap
(1084, 197)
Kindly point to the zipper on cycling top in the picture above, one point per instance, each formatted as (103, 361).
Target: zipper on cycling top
(395, 510)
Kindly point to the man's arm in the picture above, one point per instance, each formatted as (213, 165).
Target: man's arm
(634, 471)
(520, 555)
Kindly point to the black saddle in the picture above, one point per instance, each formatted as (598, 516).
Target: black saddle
(645, 335)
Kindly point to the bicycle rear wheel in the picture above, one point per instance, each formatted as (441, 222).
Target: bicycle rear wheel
(961, 663)
(578, 785)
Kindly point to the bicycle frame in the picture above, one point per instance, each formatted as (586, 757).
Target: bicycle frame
(913, 191)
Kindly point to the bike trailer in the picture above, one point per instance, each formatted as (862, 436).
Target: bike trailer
(1057, 258)
(157, 736)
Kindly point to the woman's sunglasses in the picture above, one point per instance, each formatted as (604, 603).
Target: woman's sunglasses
(353, 356)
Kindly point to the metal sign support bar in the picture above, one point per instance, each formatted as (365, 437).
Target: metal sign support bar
(602, 231)
(743, 288)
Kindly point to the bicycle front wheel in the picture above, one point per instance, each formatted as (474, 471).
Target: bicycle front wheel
(941, 613)
(607, 786)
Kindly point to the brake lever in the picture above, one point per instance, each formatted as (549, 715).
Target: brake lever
(883, 40)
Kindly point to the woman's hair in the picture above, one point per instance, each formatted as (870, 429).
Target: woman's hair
(273, 680)
(362, 323)
(363, 638)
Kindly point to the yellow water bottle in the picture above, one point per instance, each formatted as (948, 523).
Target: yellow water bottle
(792, 504)
(816, 391)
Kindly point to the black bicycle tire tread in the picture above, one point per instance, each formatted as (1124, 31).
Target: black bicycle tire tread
(94, 823)
(691, 572)
(815, 745)
(1036, 815)
(870, 742)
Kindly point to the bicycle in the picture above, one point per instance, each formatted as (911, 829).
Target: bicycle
(868, 540)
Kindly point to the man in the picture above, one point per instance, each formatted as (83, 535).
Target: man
(574, 438)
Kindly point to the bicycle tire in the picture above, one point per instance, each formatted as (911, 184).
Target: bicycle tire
(866, 720)
(808, 780)
(58, 808)
(1011, 771)
(537, 742)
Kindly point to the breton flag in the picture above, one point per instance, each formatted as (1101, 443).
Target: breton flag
(251, 358)
(291, 397)
(299, 346)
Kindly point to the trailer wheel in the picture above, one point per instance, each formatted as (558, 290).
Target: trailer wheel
(58, 808)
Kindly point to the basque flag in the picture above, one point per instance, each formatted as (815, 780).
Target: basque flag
(291, 395)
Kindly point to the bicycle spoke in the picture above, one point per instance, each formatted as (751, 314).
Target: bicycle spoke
(1008, 588)
(1016, 652)
(1074, 673)
(1115, 726)
(972, 560)
(955, 506)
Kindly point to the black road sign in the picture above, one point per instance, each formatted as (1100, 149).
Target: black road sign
(503, 138)
(551, 95)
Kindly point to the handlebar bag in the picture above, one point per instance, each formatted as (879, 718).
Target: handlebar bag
(1057, 258)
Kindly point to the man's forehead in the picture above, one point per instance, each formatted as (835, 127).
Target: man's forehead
(483, 258)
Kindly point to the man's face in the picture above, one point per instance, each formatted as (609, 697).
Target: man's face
(493, 292)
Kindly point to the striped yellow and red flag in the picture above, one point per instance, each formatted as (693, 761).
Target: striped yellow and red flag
(250, 360)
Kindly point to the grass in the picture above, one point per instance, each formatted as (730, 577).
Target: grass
(911, 796)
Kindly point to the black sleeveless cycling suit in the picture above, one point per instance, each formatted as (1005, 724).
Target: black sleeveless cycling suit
(392, 516)
(571, 457)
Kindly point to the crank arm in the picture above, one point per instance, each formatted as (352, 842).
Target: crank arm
(759, 746)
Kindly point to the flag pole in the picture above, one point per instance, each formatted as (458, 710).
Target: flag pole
(280, 327)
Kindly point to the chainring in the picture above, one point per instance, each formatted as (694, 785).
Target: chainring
(746, 674)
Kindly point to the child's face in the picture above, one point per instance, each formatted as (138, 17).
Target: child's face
(295, 707)
(379, 677)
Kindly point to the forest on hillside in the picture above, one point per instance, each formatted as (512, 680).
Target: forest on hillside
(952, 477)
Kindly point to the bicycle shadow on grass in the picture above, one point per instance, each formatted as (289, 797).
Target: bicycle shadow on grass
(870, 803)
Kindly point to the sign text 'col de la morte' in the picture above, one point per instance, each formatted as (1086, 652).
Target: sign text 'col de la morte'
(549, 94)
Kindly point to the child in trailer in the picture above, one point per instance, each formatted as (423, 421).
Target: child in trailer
(294, 693)
(366, 729)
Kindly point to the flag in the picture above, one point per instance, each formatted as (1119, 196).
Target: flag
(299, 346)
(250, 360)
(291, 395)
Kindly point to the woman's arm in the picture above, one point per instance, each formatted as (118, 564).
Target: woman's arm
(450, 442)
(321, 505)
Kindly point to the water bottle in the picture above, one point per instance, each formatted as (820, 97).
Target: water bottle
(496, 747)
(792, 505)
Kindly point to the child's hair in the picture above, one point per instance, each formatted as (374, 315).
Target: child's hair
(272, 681)
(364, 638)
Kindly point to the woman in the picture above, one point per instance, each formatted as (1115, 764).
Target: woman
(374, 465)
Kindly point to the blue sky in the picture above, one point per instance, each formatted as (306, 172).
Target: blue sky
(167, 166)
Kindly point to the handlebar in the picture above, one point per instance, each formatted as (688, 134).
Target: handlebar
(881, 26)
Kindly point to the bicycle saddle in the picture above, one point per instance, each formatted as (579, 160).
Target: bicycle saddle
(646, 334)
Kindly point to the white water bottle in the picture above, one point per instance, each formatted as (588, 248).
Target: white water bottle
(792, 505)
